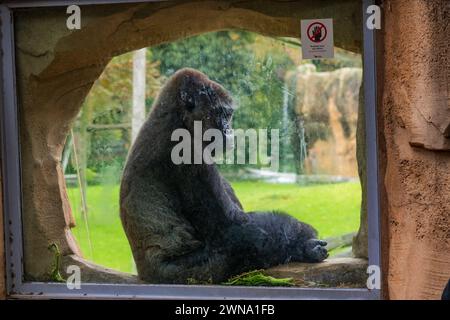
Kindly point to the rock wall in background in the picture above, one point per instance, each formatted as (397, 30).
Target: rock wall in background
(326, 105)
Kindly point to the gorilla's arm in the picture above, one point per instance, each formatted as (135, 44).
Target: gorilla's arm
(229, 190)
(205, 203)
(201, 265)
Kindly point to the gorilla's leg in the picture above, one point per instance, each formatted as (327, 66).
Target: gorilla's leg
(200, 265)
(298, 238)
(268, 239)
(248, 247)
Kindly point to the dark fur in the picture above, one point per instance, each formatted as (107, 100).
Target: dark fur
(184, 221)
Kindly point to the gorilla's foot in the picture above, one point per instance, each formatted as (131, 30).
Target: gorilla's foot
(315, 250)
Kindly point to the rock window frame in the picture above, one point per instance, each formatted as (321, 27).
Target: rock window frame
(11, 173)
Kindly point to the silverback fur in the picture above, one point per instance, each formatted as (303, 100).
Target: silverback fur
(184, 221)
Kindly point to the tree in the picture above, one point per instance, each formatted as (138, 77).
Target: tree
(108, 107)
(138, 109)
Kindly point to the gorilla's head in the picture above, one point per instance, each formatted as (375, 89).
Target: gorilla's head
(202, 99)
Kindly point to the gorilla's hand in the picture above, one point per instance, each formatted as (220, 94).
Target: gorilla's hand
(315, 250)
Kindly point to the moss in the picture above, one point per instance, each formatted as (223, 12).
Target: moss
(55, 275)
(258, 278)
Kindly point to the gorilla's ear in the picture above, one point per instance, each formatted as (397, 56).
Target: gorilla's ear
(187, 89)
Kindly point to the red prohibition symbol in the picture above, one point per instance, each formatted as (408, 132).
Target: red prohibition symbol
(317, 32)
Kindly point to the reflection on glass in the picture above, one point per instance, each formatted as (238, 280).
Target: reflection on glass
(313, 104)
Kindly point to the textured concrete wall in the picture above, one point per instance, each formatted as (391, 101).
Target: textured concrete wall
(328, 104)
(414, 76)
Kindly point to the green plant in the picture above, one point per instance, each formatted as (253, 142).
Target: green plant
(55, 275)
(258, 278)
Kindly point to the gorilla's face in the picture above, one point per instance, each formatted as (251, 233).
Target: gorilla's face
(206, 101)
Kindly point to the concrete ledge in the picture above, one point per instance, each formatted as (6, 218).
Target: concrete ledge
(93, 273)
(335, 272)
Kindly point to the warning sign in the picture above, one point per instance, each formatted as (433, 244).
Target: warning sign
(317, 38)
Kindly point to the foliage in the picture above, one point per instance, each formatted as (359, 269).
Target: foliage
(250, 66)
(258, 278)
(110, 97)
(243, 63)
(55, 275)
(109, 102)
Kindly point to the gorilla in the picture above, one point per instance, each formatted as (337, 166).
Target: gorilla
(184, 221)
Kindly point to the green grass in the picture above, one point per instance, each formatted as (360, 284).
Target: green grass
(333, 209)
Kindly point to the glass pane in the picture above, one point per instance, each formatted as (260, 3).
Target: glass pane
(311, 106)
(204, 158)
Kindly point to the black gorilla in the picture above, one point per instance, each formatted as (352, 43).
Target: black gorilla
(184, 221)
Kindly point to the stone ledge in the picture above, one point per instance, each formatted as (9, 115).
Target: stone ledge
(93, 273)
(335, 272)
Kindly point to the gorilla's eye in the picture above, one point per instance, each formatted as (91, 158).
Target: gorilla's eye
(190, 104)
(188, 100)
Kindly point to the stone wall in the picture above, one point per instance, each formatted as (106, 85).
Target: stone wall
(414, 73)
(327, 105)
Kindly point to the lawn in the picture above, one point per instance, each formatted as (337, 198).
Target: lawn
(333, 209)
